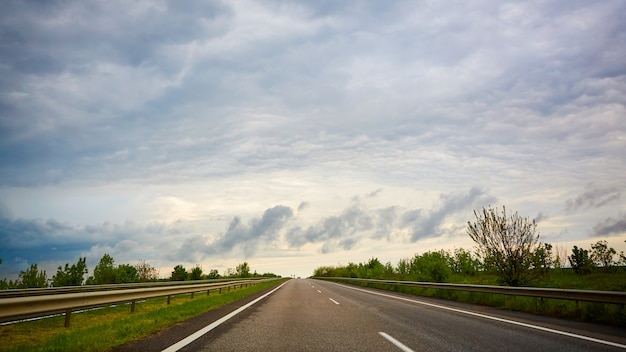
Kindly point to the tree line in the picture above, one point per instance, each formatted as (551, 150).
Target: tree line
(107, 272)
(506, 245)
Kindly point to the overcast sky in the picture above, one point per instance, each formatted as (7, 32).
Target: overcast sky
(299, 134)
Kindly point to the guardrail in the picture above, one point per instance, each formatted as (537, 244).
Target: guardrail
(33, 305)
(614, 297)
(86, 288)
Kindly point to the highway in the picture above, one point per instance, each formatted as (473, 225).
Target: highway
(312, 315)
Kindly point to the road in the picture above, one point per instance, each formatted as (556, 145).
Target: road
(312, 315)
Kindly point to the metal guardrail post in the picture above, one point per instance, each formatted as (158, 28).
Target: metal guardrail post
(68, 315)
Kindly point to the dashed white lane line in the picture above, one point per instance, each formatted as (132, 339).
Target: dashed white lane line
(319, 291)
(189, 339)
(397, 343)
(335, 302)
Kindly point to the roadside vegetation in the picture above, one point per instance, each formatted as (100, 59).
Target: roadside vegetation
(107, 272)
(508, 252)
(103, 329)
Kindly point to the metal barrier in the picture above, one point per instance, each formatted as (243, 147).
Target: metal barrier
(556, 293)
(86, 288)
(67, 302)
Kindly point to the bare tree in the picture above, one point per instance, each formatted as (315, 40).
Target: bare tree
(146, 272)
(560, 252)
(506, 244)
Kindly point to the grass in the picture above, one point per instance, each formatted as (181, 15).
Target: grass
(612, 314)
(103, 329)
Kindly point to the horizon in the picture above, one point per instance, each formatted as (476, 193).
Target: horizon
(296, 135)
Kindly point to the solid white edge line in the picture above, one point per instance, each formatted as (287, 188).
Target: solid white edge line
(397, 343)
(536, 327)
(189, 339)
(335, 302)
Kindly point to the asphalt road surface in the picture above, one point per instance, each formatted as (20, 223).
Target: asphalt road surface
(312, 315)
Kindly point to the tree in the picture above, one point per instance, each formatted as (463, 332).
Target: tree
(243, 270)
(580, 261)
(373, 269)
(179, 273)
(146, 272)
(602, 254)
(404, 267)
(213, 274)
(561, 256)
(431, 266)
(71, 275)
(542, 259)
(506, 244)
(196, 273)
(104, 272)
(464, 262)
(33, 278)
(126, 273)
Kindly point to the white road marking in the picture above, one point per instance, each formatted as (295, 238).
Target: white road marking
(319, 291)
(398, 344)
(536, 327)
(191, 338)
(335, 302)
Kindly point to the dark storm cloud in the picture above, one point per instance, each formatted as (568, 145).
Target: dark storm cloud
(29, 241)
(610, 227)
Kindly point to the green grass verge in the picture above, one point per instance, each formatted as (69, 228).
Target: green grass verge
(103, 329)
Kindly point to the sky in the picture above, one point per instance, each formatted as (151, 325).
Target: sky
(299, 134)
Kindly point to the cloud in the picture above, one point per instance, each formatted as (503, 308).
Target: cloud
(610, 227)
(594, 197)
(356, 223)
(337, 229)
(540, 217)
(425, 225)
(283, 101)
(375, 193)
(52, 242)
(249, 238)
(302, 206)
